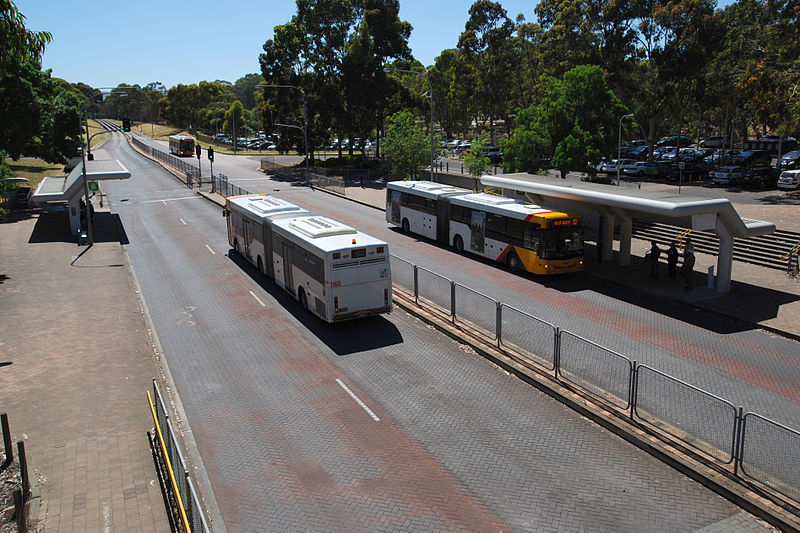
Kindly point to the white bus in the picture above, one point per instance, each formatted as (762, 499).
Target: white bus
(523, 236)
(335, 271)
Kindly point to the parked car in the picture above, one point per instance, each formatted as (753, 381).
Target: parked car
(789, 179)
(610, 167)
(776, 138)
(754, 158)
(715, 141)
(730, 175)
(761, 178)
(721, 157)
(636, 169)
(639, 152)
(673, 141)
(659, 151)
(685, 154)
(691, 171)
(463, 147)
(626, 147)
(790, 160)
(656, 169)
(494, 154)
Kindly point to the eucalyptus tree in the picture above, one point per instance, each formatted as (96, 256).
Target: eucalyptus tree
(485, 46)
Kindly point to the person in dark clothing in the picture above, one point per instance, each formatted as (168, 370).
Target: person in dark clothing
(687, 268)
(672, 259)
(655, 253)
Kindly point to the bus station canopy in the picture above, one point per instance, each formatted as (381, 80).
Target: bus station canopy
(70, 188)
(618, 205)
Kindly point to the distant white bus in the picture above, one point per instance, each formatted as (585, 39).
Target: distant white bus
(335, 271)
(521, 235)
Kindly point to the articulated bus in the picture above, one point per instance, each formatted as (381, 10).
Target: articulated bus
(181, 145)
(523, 236)
(333, 270)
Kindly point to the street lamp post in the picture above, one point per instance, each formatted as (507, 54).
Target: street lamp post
(305, 117)
(424, 73)
(619, 142)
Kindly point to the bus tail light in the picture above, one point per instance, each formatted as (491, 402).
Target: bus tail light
(337, 255)
(379, 249)
(335, 303)
(386, 296)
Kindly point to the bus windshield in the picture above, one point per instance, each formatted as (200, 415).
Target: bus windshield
(562, 243)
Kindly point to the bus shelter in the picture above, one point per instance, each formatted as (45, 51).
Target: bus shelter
(614, 206)
(69, 188)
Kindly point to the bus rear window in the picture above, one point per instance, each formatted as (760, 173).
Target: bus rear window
(358, 252)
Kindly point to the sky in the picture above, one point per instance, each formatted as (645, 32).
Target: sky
(113, 42)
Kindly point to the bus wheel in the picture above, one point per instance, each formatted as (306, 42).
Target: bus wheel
(458, 243)
(514, 263)
(301, 295)
(406, 228)
(260, 266)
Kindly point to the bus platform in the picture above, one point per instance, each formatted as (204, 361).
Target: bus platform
(759, 296)
(75, 363)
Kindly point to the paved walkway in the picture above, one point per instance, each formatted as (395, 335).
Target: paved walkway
(76, 363)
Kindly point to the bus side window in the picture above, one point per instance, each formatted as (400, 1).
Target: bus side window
(531, 238)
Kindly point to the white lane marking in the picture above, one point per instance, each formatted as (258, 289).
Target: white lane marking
(210, 250)
(171, 200)
(183, 222)
(358, 400)
(258, 299)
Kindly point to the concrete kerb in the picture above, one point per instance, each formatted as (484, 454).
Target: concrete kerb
(749, 497)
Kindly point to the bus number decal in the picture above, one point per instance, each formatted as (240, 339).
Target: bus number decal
(336, 283)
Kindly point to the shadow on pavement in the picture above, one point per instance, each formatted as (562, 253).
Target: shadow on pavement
(53, 226)
(344, 338)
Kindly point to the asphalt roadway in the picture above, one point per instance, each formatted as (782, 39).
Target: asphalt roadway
(459, 444)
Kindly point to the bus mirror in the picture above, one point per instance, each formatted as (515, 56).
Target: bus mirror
(224, 213)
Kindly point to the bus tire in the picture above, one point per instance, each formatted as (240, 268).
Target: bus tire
(406, 227)
(458, 243)
(301, 296)
(514, 263)
(260, 266)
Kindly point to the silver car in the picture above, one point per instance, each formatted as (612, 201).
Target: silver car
(729, 175)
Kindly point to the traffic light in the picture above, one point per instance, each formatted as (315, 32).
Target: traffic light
(198, 150)
(210, 153)
(126, 124)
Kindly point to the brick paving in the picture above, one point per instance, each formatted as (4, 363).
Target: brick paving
(79, 365)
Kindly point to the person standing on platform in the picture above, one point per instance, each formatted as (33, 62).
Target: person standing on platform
(655, 253)
(672, 259)
(687, 268)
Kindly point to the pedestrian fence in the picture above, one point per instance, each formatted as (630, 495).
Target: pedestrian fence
(759, 448)
(183, 487)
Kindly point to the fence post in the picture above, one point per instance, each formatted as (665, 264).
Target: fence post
(633, 383)
(416, 285)
(19, 509)
(188, 504)
(453, 301)
(7, 438)
(23, 470)
(738, 440)
(557, 352)
(498, 321)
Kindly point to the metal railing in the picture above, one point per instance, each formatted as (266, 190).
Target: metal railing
(185, 492)
(759, 448)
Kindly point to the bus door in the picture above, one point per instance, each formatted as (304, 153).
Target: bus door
(288, 282)
(246, 238)
(269, 267)
(443, 220)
